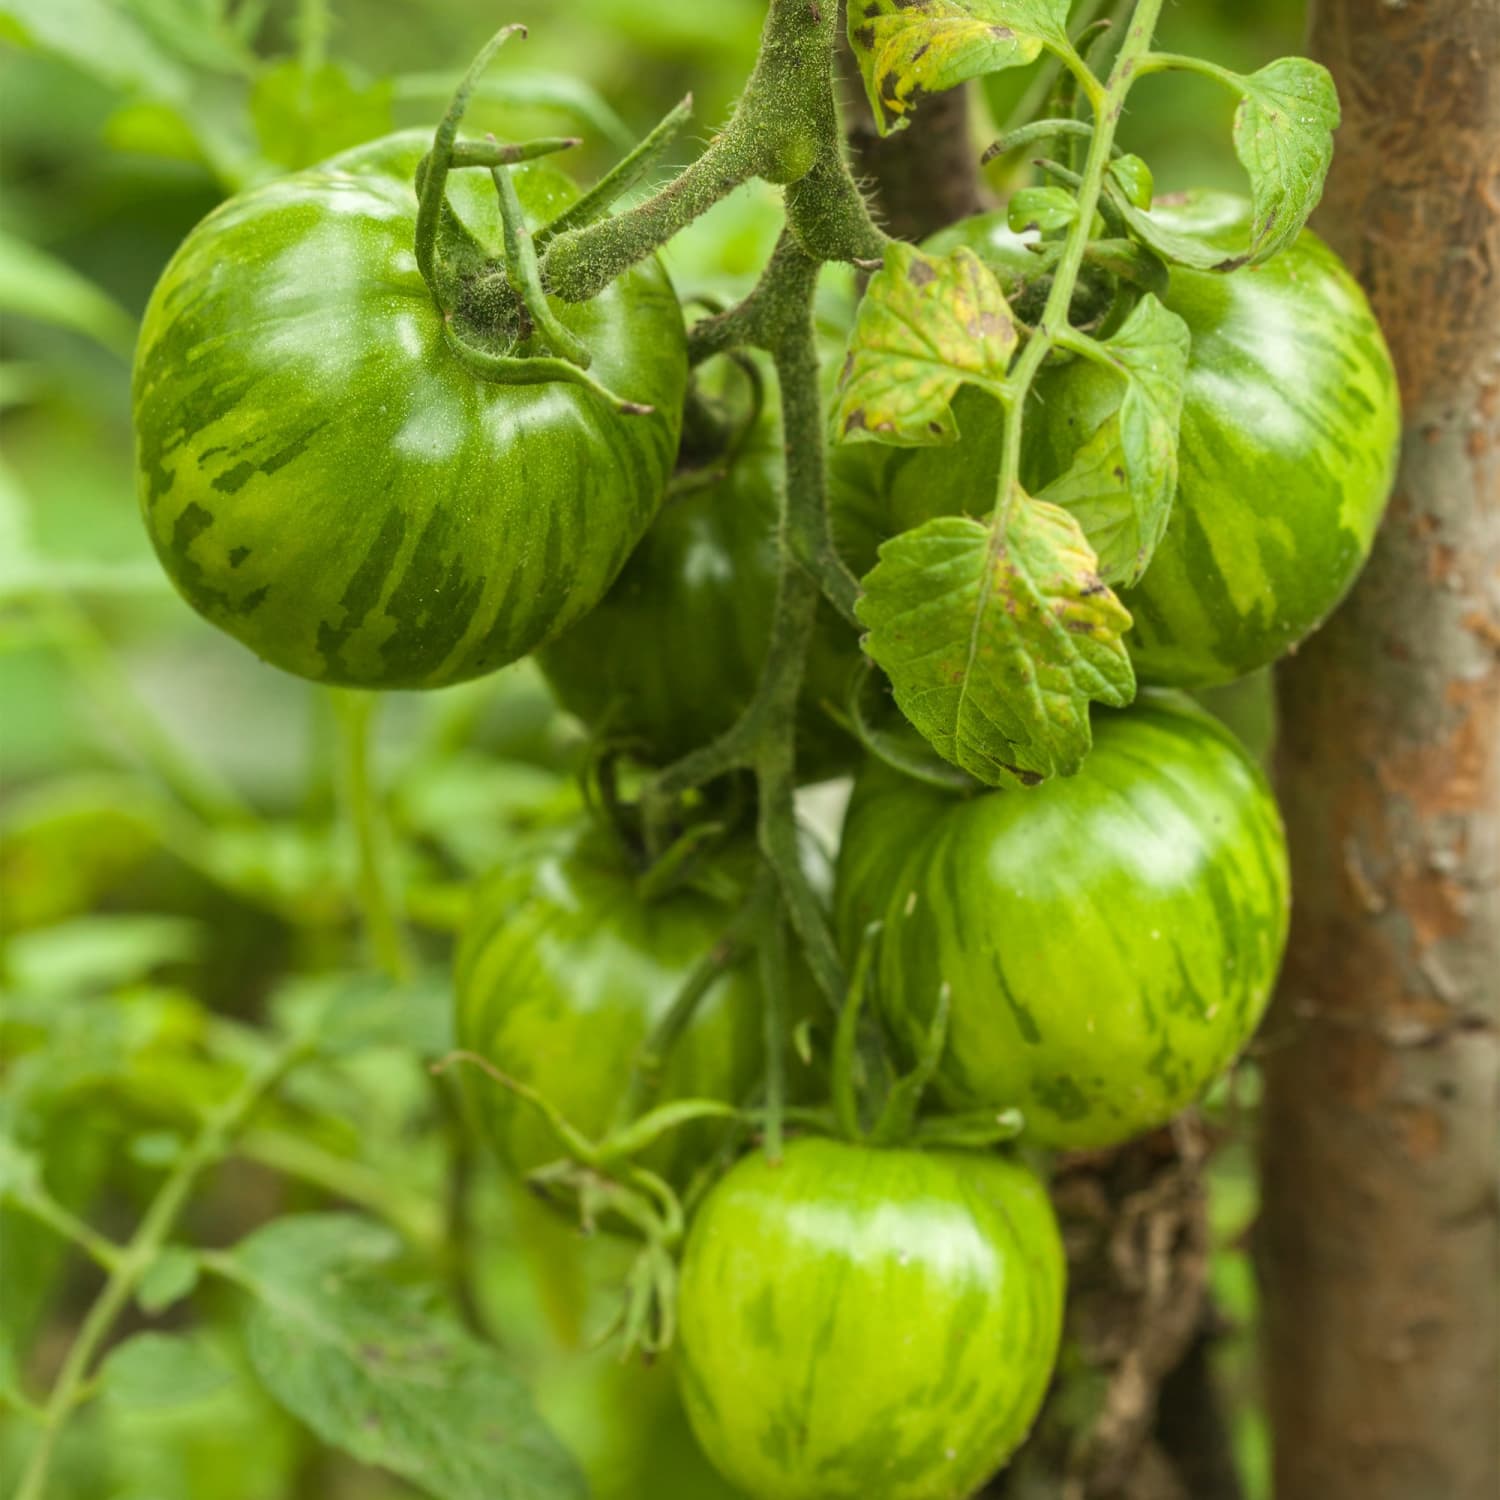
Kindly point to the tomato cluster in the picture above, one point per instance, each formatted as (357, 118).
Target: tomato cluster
(878, 1312)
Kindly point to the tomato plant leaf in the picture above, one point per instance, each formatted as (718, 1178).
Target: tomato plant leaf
(926, 325)
(152, 1371)
(1283, 136)
(1044, 208)
(1121, 483)
(907, 48)
(377, 1367)
(994, 644)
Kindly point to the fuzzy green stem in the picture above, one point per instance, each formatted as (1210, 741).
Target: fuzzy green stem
(771, 954)
(210, 1145)
(784, 129)
(433, 182)
(365, 817)
(525, 277)
(619, 180)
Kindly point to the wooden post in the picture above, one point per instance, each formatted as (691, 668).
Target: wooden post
(1379, 1245)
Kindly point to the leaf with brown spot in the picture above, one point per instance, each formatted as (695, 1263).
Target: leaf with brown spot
(997, 642)
(926, 326)
(907, 48)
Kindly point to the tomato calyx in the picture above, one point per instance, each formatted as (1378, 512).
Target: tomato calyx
(497, 319)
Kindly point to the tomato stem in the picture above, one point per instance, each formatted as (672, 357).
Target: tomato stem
(525, 277)
(620, 178)
(784, 129)
(432, 188)
(771, 955)
(365, 817)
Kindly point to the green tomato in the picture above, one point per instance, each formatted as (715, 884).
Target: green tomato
(1109, 940)
(561, 975)
(858, 1323)
(1290, 427)
(326, 481)
(673, 655)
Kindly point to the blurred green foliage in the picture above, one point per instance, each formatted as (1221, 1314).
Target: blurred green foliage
(171, 853)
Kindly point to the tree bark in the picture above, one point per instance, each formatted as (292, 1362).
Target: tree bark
(1379, 1245)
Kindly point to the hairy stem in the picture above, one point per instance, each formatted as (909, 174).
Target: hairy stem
(365, 816)
(784, 129)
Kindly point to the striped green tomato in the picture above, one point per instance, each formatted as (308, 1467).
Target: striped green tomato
(673, 655)
(321, 476)
(564, 970)
(1109, 940)
(1290, 427)
(856, 1322)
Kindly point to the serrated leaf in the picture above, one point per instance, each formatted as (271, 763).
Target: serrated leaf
(996, 646)
(927, 324)
(378, 1368)
(168, 1279)
(1283, 136)
(157, 1370)
(907, 48)
(1121, 482)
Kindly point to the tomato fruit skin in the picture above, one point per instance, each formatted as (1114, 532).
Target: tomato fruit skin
(323, 478)
(561, 974)
(857, 1322)
(1110, 940)
(674, 653)
(1290, 428)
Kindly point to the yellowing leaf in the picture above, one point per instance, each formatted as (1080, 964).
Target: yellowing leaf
(907, 48)
(926, 326)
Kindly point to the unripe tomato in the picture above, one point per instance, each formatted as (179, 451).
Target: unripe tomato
(858, 1322)
(326, 481)
(1109, 940)
(674, 653)
(562, 973)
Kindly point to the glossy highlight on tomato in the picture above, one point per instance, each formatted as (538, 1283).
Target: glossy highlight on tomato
(322, 477)
(857, 1322)
(1110, 940)
(674, 653)
(1290, 427)
(562, 973)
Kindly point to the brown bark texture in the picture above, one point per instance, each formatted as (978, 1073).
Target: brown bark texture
(1379, 1243)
